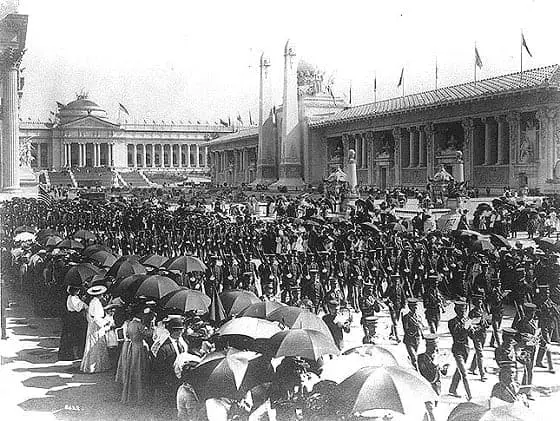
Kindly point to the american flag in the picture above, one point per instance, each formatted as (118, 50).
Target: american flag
(44, 197)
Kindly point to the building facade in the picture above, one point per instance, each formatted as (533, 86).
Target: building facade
(82, 136)
(505, 129)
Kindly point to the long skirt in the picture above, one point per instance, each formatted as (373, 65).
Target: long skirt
(133, 373)
(96, 355)
(73, 337)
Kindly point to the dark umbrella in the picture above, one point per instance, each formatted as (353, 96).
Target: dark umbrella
(260, 310)
(77, 275)
(126, 266)
(230, 374)
(92, 248)
(52, 241)
(216, 312)
(499, 241)
(298, 318)
(153, 260)
(84, 235)
(468, 411)
(124, 287)
(390, 388)
(185, 264)
(103, 258)
(370, 226)
(24, 228)
(69, 243)
(236, 300)
(45, 233)
(155, 286)
(548, 244)
(304, 343)
(186, 299)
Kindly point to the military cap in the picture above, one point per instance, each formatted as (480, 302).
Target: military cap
(530, 306)
(313, 270)
(412, 301)
(332, 302)
(460, 303)
(509, 331)
(507, 365)
(544, 287)
(370, 320)
(430, 338)
(395, 276)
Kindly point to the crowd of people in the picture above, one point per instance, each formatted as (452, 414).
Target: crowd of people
(301, 255)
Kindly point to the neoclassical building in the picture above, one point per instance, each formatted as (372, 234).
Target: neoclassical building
(83, 137)
(506, 129)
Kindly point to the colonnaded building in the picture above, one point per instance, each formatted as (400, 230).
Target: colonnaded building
(506, 129)
(83, 147)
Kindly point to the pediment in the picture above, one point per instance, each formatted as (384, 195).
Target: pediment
(89, 122)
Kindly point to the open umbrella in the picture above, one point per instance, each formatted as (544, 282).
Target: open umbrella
(126, 266)
(185, 264)
(468, 411)
(155, 286)
(260, 310)
(250, 327)
(103, 258)
(69, 243)
(370, 226)
(548, 244)
(499, 241)
(124, 287)
(78, 274)
(24, 236)
(24, 228)
(216, 312)
(340, 368)
(153, 260)
(45, 233)
(237, 300)
(92, 248)
(50, 241)
(304, 343)
(375, 353)
(186, 299)
(298, 318)
(230, 374)
(392, 388)
(84, 235)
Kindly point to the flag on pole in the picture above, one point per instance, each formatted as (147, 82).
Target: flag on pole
(223, 122)
(274, 115)
(60, 105)
(350, 94)
(477, 60)
(44, 197)
(229, 121)
(250, 118)
(401, 78)
(436, 72)
(239, 119)
(123, 109)
(524, 44)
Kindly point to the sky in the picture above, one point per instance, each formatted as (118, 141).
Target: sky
(198, 60)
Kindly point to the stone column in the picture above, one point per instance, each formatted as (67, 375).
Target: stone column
(545, 150)
(94, 162)
(10, 60)
(421, 148)
(358, 143)
(80, 155)
(487, 141)
(397, 136)
(501, 150)
(110, 154)
(266, 165)
(411, 149)
(364, 150)
(430, 132)
(196, 156)
(143, 155)
(206, 156)
(345, 148)
(468, 149)
(290, 174)
(64, 155)
(188, 155)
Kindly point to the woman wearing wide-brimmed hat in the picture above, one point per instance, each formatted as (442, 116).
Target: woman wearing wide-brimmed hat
(74, 327)
(96, 355)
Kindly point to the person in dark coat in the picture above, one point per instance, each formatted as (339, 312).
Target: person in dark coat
(428, 364)
(460, 329)
(412, 327)
(507, 388)
(336, 326)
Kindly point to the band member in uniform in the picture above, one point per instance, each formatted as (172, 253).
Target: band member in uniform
(528, 332)
(428, 364)
(507, 388)
(433, 303)
(495, 302)
(369, 305)
(460, 329)
(412, 328)
(480, 323)
(396, 300)
(548, 316)
(506, 351)
(336, 325)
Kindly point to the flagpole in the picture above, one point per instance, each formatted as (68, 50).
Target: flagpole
(375, 88)
(436, 72)
(475, 65)
(521, 55)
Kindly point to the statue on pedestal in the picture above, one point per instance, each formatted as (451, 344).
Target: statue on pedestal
(351, 172)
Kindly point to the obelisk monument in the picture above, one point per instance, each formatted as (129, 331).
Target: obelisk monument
(13, 30)
(266, 159)
(290, 168)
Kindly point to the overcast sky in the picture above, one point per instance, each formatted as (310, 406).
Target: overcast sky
(198, 60)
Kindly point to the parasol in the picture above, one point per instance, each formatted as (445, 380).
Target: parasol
(126, 266)
(24, 236)
(298, 318)
(250, 327)
(230, 374)
(84, 235)
(153, 260)
(69, 243)
(375, 353)
(95, 247)
(304, 343)
(468, 411)
(236, 300)
(154, 286)
(77, 275)
(185, 264)
(260, 310)
(186, 299)
(103, 258)
(391, 388)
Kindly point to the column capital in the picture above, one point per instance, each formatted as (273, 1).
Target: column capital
(369, 136)
(11, 58)
(397, 132)
(429, 128)
(500, 118)
(513, 116)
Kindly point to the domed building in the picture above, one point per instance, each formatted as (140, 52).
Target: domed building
(84, 144)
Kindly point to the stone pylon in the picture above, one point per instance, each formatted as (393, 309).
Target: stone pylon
(12, 48)
(266, 159)
(290, 169)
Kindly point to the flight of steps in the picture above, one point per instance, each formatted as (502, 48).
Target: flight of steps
(134, 179)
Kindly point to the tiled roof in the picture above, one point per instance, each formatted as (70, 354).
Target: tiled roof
(543, 77)
(243, 133)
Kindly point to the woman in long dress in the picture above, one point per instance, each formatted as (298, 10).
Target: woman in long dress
(133, 370)
(74, 326)
(96, 355)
